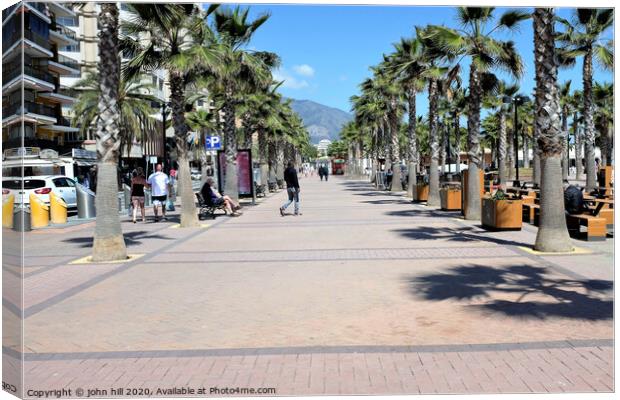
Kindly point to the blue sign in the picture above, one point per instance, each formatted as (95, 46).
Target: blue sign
(213, 143)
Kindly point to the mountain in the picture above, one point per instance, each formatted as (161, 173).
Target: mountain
(322, 122)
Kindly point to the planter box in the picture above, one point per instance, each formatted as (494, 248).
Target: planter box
(423, 192)
(450, 199)
(502, 214)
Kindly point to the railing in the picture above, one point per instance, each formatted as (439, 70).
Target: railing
(10, 74)
(69, 62)
(65, 91)
(33, 37)
(63, 30)
(29, 107)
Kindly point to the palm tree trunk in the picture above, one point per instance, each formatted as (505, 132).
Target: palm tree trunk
(442, 151)
(394, 130)
(263, 151)
(473, 146)
(502, 149)
(231, 184)
(433, 193)
(189, 214)
(279, 160)
(457, 142)
(590, 134)
(578, 149)
(552, 234)
(273, 159)
(510, 155)
(565, 159)
(108, 241)
(526, 152)
(536, 167)
(413, 145)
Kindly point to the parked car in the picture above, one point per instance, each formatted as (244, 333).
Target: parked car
(41, 186)
(196, 174)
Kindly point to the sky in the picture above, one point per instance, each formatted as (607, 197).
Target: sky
(326, 50)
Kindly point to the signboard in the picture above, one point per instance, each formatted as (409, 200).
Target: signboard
(213, 143)
(153, 159)
(244, 172)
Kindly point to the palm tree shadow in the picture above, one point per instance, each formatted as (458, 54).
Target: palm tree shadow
(131, 239)
(461, 234)
(564, 298)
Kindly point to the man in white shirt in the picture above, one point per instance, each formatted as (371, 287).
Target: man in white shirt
(158, 181)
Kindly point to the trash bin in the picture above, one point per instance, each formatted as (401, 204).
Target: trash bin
(58, 209)
(39, 212)
(8, 203)
(21, 219)
(85, 202)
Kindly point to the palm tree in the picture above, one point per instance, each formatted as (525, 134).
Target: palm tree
(552, 234)
(475, 40)
(576, 104)
(238, 71)
(603, 94)
(565, 107)
(108, 241)
(174, 26)
(584, 38)
(134, 103)
(498, 100)
(411, 69)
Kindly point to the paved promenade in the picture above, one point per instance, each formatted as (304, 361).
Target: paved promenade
(364, 293)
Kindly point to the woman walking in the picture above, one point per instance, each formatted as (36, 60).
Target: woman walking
(138, 181)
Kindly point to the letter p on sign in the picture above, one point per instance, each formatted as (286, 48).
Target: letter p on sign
(213, 142)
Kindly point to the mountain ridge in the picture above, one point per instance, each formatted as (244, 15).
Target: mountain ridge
(321, 121)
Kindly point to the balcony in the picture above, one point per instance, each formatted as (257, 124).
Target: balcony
(33, 44)
(62, 36)
(29, 77)
(29, 112)
(59, 10)
(38, 8)
(64, 66)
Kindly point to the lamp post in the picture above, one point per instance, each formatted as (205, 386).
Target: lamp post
(516, 101)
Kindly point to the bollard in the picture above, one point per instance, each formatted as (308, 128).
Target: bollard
(7, 210)
(21, 219)
(58, 209)
(85, 202)
(40, 212)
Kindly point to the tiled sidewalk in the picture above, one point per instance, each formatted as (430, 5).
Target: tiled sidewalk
(364, 293)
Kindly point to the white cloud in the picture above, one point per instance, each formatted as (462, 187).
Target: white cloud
(304, 70)
(290, 82)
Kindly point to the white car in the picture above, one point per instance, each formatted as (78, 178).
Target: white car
(41, 186)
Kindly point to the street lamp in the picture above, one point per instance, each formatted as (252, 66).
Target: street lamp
(516, 101)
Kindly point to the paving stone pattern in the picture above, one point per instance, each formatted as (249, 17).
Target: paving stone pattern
(365, 293)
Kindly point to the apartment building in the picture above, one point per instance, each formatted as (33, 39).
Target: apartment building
(32, 36)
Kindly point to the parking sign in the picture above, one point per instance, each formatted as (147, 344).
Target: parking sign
(213, 143)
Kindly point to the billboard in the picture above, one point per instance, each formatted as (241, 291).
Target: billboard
(244, 169)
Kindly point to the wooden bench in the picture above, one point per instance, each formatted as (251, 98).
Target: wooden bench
(208, 208)
(529, 213)
(596, 227)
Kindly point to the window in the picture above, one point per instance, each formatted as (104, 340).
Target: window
(60, 182)
(161, 84)
(125, 6)
(72, 48)
(67, 21)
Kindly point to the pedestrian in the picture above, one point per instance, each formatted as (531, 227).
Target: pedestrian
(209, 193)
(388, 178)
(292, 188)
(138, 182)
(325, 172)
(321, 172)
(158, 181)
(171, 190)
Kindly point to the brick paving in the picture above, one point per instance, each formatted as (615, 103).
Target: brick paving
(364, 293)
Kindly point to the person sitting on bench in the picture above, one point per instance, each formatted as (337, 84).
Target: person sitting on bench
(211, 195)
(573, 199)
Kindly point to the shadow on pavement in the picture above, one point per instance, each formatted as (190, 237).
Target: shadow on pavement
(131, 238)
(464, 234)
(412, 212)
(566, 298)
(388, 201)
